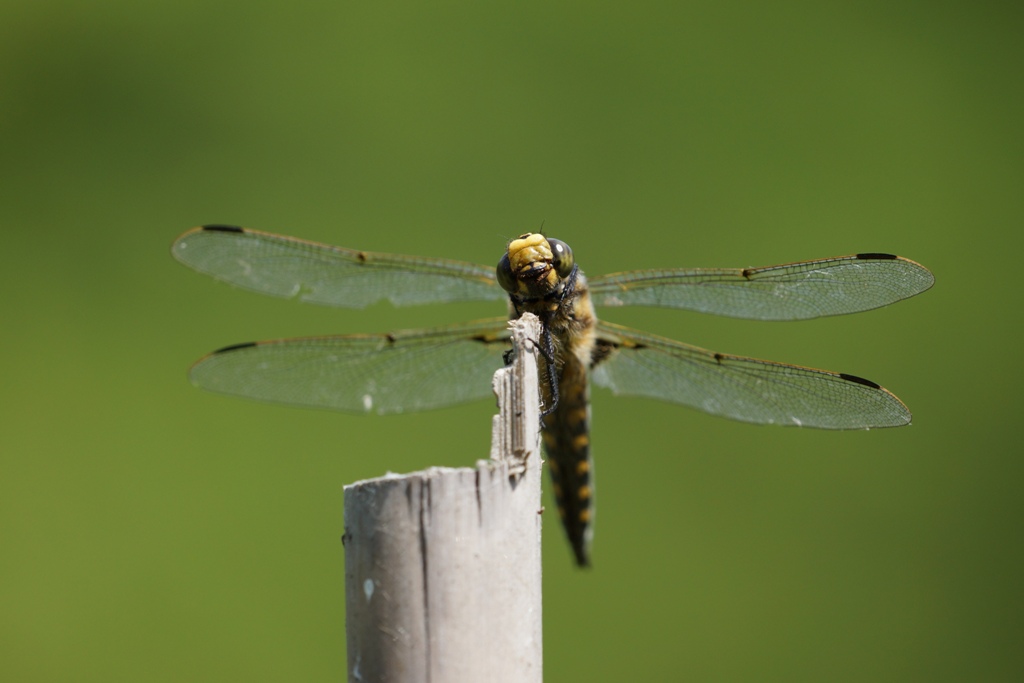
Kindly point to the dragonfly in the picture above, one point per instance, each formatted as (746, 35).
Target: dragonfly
(413, 370)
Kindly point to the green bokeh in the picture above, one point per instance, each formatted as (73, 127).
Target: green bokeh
(152, 532)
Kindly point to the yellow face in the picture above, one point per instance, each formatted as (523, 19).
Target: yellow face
(534, 265)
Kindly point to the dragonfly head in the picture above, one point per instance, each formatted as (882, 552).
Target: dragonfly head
(534, 265)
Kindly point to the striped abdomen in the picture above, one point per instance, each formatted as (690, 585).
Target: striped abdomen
(567, 443)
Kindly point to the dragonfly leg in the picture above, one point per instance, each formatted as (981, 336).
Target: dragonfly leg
(548, 352)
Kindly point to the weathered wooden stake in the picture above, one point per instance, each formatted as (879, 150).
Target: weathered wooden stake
(442, 567)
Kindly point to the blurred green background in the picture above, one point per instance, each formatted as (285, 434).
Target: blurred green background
(153, 532)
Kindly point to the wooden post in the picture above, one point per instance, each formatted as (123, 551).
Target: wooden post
(442, 567)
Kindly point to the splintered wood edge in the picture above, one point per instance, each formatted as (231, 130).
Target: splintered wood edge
(515, 430)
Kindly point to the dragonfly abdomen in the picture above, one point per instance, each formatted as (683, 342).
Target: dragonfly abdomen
(567, 443)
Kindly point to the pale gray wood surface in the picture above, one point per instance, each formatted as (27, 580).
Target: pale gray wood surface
(442, 567)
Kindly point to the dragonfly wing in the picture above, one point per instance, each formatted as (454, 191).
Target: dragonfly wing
(739, 388)
(793, 291)
(387, 373)
(323, 274)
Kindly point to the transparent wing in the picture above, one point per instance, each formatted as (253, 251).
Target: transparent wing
(793, 291)
(323, 274)
(739, 388)
(386, 373)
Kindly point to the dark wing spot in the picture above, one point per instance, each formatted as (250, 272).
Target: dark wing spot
(235, 347)
(603, 350)
(390, 338)
(361, 255)
(747, 272)
(223, 228)
(718, 357)
(859, 380)
(879, 256)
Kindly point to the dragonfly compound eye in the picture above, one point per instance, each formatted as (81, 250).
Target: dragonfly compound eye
(506, 278)
(561, 257)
